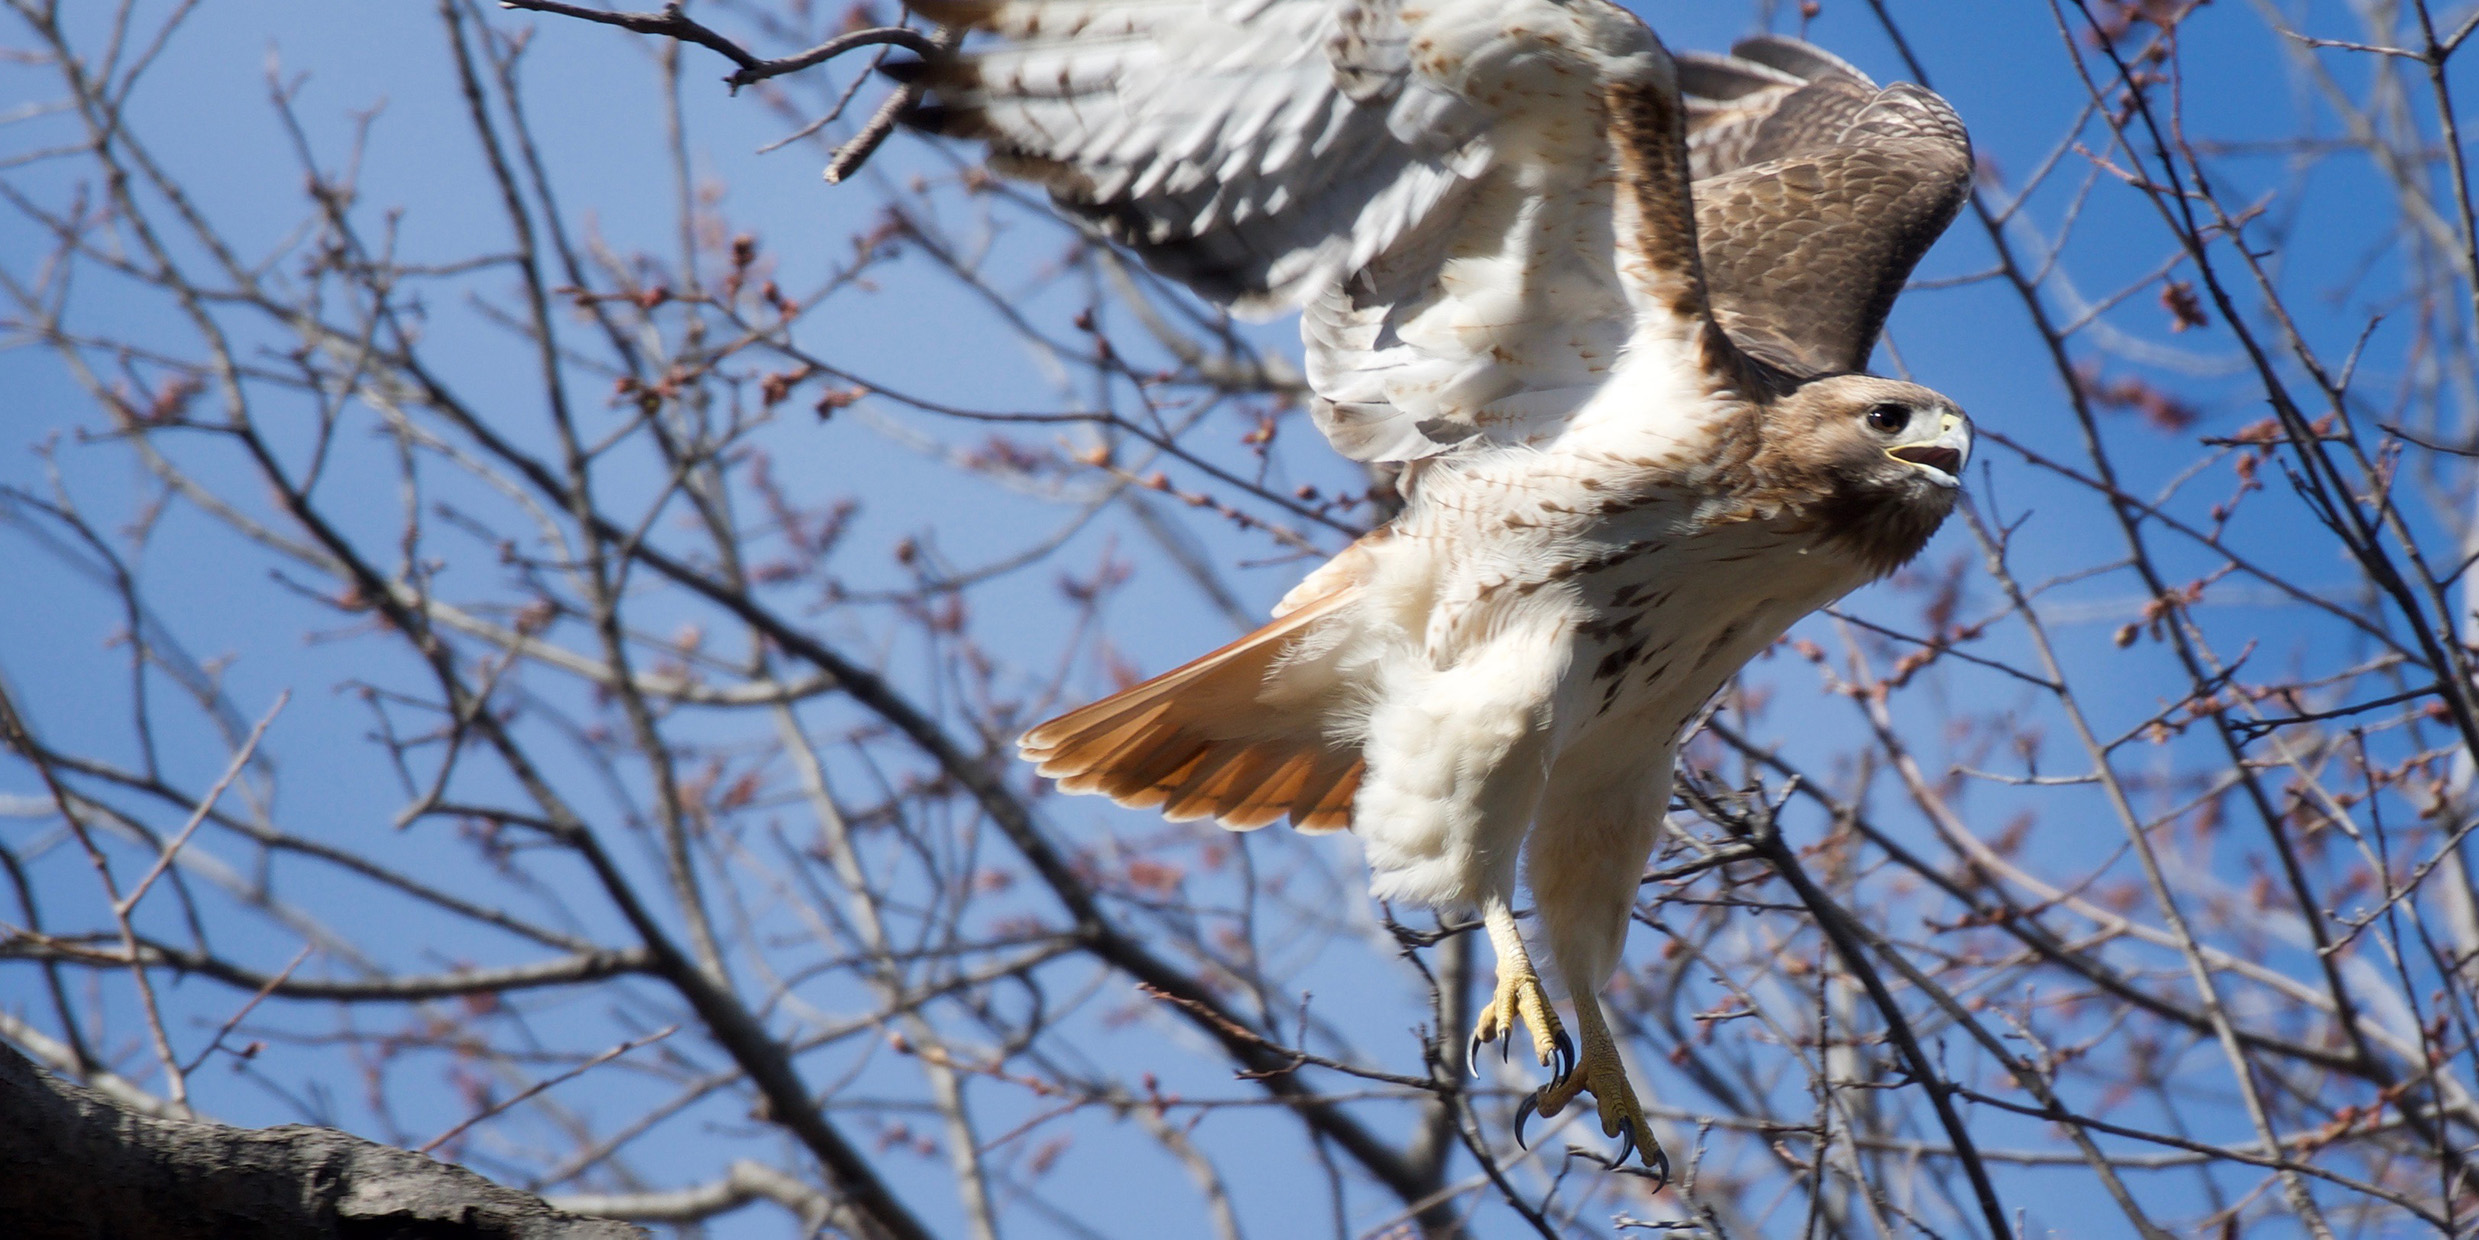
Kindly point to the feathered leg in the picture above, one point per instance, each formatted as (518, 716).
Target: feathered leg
(1456, 759)
(1584, 862)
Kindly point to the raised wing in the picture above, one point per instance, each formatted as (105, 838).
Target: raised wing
(1447, 189)
(1816, 193)
(1253, 149)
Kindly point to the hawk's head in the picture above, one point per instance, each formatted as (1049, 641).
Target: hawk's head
(1881, 461)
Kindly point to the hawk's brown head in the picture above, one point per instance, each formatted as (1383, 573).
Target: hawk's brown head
(1880, 461)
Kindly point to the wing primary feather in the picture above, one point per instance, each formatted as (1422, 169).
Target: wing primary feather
(1796, 57)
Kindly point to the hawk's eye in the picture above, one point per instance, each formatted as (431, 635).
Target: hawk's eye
(1889, 419)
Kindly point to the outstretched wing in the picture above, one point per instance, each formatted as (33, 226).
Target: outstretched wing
(1816, 193)
(1479, 204)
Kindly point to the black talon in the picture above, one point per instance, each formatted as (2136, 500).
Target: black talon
(1472, 1057)
(1566, 1055)
(1523, 1115)
(1626, 1142)
(1661, 1168)
(1506, 1047)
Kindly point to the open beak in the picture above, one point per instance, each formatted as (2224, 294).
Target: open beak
(1946, 454)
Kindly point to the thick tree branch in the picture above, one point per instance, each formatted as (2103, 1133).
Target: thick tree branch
(79, 1165)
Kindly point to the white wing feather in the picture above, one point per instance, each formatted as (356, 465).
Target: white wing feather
(1433, 183)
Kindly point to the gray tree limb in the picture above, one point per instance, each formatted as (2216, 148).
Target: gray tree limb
(77, 1164)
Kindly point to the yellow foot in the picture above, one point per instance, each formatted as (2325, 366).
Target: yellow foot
(1622, 1116)
(1521, 997)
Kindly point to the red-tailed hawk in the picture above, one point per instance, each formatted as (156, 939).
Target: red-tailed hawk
(1611, 305)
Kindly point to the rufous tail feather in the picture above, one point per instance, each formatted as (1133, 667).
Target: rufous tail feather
(1202, 741)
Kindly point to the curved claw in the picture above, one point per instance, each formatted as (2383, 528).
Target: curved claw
(1523, 1115)
(1626, 1142)
(1472, 1057)
(1566, 1057)
(1659, 1164)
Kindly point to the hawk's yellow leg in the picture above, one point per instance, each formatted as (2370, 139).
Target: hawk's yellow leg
(1520, 996)
(1602, 1074)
